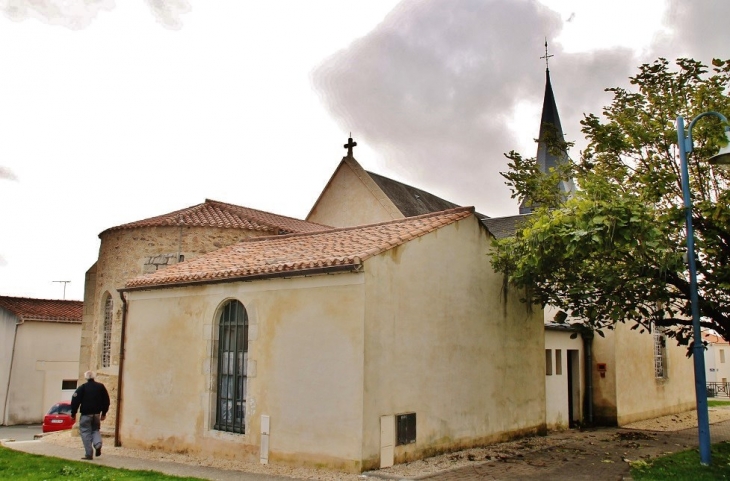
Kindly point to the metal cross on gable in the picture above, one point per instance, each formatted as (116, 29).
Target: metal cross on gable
(546, 57)
(349, 145)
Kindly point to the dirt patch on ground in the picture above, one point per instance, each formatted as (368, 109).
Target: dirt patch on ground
(677, 422)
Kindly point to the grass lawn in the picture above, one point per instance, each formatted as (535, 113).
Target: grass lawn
(685, 465)
(711, 403)
(23, 466)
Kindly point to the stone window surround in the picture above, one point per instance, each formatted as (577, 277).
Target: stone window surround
(211, 371)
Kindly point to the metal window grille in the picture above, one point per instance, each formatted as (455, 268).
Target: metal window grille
(106, 345)
(659, 354)
(232, 364)
(405, 429)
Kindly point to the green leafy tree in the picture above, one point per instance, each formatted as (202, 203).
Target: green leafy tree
(614, 252)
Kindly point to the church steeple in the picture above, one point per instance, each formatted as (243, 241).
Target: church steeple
(551, 132)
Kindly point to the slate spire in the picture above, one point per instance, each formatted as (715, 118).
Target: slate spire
(550, 128)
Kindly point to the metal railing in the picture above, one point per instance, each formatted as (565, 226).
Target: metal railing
(718, 389)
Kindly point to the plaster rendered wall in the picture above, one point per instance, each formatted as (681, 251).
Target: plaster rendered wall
(128, 253)
(604, 385)
(348, 201)
(305, 370)
(640, 395)
(46, 353)
(556, 385)
(717, 366)
(442, 342)
(7, 334)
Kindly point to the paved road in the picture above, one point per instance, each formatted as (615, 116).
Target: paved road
(23, 432)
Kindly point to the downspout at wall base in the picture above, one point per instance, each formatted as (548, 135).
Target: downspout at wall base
(117, 421)
(10, 374)
(587, 337)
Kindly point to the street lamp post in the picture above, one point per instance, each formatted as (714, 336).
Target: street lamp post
(723, 158)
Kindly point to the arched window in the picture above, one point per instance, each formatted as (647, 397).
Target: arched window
(232, 364)
(106, 340)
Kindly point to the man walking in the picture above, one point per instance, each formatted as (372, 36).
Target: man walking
(93, 399)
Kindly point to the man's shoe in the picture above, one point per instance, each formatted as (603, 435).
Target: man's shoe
(88, 457)
(98, 451)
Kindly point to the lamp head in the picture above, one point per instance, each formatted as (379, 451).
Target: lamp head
(722, 158)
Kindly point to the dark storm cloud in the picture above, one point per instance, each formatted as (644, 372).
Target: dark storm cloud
(696, 29)
(433, 86)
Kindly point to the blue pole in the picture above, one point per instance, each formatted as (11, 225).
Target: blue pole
(703, 418)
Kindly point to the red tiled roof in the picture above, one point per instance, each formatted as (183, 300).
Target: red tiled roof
(300, 253)
(55, 310)
(212, 213)
(713, 338)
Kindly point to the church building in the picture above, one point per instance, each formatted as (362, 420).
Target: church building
(374, 332)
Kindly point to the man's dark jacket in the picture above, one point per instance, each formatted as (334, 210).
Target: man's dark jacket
(92, 397)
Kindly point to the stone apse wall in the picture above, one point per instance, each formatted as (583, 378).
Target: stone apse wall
(124, 254)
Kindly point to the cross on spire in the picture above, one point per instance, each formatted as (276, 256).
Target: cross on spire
(349, 145)
(546, 57)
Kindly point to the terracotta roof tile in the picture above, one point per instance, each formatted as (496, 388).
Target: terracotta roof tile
(713, 338)
(53, 310)
(212, 213)
(268, 256)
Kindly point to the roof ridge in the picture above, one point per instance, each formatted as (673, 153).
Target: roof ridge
(361, 226)
(213, 213)
(453, 215)
(227, 204)
(293, 254)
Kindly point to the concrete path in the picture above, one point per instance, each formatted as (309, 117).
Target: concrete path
(75, 454)
(596, 455)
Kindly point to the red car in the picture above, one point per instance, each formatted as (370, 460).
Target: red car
(58, 417)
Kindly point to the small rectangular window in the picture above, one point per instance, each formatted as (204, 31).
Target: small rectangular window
(549, 362)
(405, 428)
(558, 362)
(722, 355)
(660, 354)
(67, 384)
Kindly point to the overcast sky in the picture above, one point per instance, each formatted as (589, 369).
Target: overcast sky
(112, 112)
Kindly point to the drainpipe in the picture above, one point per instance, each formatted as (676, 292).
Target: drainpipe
(587, 336)
(117, 421)
(10, 373)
